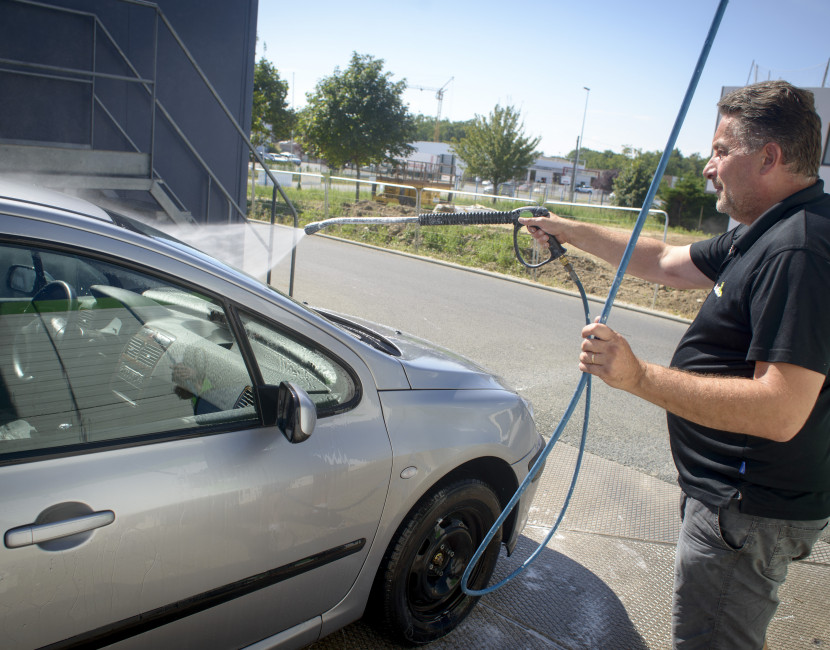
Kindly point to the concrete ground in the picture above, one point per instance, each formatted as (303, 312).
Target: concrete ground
(605, 579)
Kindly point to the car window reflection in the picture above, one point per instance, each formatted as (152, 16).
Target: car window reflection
(98, 352)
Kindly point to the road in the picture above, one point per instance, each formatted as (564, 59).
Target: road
(527, 335)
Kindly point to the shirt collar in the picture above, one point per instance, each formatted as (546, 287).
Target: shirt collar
(776, 213)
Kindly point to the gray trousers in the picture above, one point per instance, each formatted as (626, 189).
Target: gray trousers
(728, 568)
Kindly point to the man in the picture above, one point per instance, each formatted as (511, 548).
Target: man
(746, 395)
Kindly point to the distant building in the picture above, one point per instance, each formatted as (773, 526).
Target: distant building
(559, 171)
(430, 163)
(438, 161)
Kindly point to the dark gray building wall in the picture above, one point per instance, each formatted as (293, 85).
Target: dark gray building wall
(49, 104)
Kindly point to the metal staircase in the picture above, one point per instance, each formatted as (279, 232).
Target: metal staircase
(113, 150)
(91, 171)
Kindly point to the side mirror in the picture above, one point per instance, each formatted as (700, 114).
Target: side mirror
(296, 413)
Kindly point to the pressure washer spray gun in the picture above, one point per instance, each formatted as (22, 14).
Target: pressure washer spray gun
(527, 252)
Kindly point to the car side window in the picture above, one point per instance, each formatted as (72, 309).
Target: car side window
(94, 352)
(288, 357)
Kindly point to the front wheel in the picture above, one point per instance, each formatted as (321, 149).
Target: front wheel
(417, 592)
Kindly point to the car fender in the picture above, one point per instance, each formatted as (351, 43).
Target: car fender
(435, 432)
(431, 432)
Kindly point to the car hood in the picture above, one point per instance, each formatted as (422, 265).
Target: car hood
(427, 366)
(430, 367)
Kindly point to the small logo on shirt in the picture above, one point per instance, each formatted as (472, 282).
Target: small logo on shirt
(718, 289)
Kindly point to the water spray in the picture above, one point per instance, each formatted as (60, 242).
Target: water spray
(254, 247)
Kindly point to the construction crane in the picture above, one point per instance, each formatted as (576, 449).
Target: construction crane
(439, 95)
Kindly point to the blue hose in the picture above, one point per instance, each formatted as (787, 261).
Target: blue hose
(585, 380)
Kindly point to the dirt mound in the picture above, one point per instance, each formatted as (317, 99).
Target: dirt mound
(377, 209)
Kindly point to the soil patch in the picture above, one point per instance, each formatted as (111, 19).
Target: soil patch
(597, 276)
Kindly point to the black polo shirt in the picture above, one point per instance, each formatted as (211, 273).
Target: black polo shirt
(770, 302)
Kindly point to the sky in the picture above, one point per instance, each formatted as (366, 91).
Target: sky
(637, 58)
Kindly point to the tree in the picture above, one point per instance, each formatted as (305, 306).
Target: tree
(452, 131)
(600, 160)
(693, 165)
(495, 148)
(677, 165)
(449, 131)
(271, 119)
(358, 116)
(605, 181)
(632, 183)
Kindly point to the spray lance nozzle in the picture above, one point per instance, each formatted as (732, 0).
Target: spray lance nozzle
(527, 252)
(311, 228)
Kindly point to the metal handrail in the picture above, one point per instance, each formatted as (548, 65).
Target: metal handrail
(487, 196)
(619, 208)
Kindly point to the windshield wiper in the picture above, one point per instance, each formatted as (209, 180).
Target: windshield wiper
(363, 334)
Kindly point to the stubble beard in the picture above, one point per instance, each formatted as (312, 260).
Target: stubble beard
(741, 209)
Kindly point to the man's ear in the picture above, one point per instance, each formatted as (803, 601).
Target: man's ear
(773, 157)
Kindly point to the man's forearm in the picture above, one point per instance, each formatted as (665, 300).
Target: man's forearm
(605, 243)
(774, 403)
(652, 259)
(736, 404)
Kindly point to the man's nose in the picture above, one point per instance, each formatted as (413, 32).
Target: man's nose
(709, 171)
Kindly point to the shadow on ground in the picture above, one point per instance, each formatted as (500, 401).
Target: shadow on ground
(555, 603)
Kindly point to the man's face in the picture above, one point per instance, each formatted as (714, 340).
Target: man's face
(735, 173)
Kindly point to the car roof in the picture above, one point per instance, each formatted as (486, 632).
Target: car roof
(42, 196)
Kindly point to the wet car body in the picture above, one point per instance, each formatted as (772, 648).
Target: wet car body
(155, 490)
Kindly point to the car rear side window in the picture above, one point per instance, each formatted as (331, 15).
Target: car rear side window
(95, 352)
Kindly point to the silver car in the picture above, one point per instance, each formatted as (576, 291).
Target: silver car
(191, 459)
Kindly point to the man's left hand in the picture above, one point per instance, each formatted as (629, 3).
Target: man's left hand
(606, 354)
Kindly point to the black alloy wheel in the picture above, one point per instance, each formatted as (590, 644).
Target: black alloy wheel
(417, 593)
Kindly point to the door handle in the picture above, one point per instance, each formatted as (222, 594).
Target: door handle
(40, 533)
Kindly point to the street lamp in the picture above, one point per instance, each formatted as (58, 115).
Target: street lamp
(579, 141)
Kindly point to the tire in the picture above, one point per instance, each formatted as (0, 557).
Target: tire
(417, 596)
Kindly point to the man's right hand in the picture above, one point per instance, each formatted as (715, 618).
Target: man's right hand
(542, 227)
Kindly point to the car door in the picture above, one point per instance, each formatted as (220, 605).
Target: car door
(145, 502)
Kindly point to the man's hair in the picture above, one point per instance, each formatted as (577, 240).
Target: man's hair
(776, 111)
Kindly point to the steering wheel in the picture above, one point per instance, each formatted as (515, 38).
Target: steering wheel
(54, 305)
